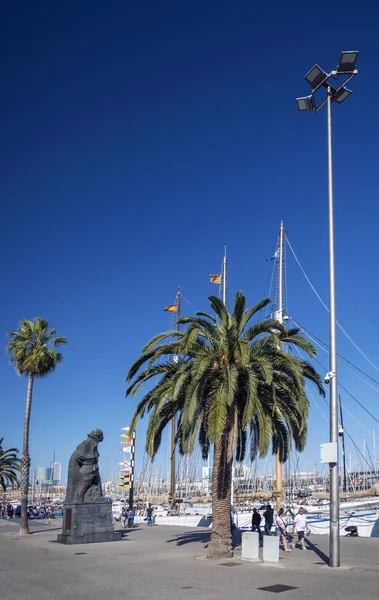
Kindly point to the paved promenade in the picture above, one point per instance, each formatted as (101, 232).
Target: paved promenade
(159, 563)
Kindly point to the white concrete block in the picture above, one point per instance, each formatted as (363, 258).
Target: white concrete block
(250, 546)
(271, 548)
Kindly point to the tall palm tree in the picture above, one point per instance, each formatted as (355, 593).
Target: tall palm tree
(33, 353)
(231, 385)
(9, 467)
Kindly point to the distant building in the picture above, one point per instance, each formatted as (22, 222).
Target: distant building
(207, 480)
(44, 477)
(57, 473)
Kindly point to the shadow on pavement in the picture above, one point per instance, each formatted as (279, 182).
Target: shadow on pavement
(237, 538)
(203, 537)
(44, 530)
(317, 551)
(128, 530)
(191, 536)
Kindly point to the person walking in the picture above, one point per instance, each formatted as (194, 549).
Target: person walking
(124, 517)
(282, 526)
(131, 516)
(301, 526)
(149, 514)
(255, 520)
(269, 519)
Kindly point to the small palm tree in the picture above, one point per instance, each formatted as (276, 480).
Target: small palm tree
(33, 353)
(231, 385)
(9, 467)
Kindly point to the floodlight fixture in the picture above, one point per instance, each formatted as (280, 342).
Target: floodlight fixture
(316, 77)
(305, 103)
(341, 95)
(347, 62)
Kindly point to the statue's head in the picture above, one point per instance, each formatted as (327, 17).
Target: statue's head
(96, 434)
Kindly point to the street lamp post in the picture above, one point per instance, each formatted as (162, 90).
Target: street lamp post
(318, 79)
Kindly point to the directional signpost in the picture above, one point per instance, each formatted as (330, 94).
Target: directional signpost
(126, 473)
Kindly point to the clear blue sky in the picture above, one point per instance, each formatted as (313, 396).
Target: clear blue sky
(137, 137)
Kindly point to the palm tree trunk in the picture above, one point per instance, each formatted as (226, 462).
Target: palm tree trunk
(220, 545)
(25, 462)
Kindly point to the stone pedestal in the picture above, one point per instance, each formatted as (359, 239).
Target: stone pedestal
(88, 522)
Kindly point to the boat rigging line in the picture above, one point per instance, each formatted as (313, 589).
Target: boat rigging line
(358, 307)
(344, 428)
(312, 335)
(350, 394)
(327, 309)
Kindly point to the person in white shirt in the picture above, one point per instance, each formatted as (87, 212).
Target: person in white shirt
(301, 526)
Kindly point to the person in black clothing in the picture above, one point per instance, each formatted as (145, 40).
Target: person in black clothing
(256, 520)
(269, 518)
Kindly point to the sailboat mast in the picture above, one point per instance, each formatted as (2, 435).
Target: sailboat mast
(224, 296)
(343, 446)
(224, 276)
(281, 272)
(374, 444)
(279, 317)
(173, 420)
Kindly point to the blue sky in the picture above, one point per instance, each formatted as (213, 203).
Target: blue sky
(140, 136)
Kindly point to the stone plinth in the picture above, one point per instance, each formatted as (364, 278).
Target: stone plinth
(88, 522)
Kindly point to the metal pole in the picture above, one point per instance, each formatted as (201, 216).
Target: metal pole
(374, 444)
(343, 447)
(279, 467)
(173, 421)
(334, 534)
(224, 296)
(224, 277)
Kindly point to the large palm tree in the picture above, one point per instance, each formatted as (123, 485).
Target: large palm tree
(33, 353)
(230, 385)
(9, 467)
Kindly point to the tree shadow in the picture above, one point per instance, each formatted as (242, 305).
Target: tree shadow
(45, 530)
(203, 537)
(237, 538)
(191, 536)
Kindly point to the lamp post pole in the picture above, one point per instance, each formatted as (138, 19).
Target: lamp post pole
(317, 78)
(334, 534)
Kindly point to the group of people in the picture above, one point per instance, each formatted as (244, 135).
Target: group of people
(127, 517)
(300, 526)
(34, 512)
(9, 511)
(41, 512)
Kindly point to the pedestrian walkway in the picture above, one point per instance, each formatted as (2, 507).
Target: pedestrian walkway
(157, 562)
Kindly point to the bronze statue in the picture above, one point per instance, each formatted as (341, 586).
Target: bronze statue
(83, 480)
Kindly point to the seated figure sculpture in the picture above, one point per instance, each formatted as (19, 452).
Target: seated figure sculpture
(83, 480)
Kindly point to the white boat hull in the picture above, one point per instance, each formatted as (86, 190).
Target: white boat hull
(367, 522)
